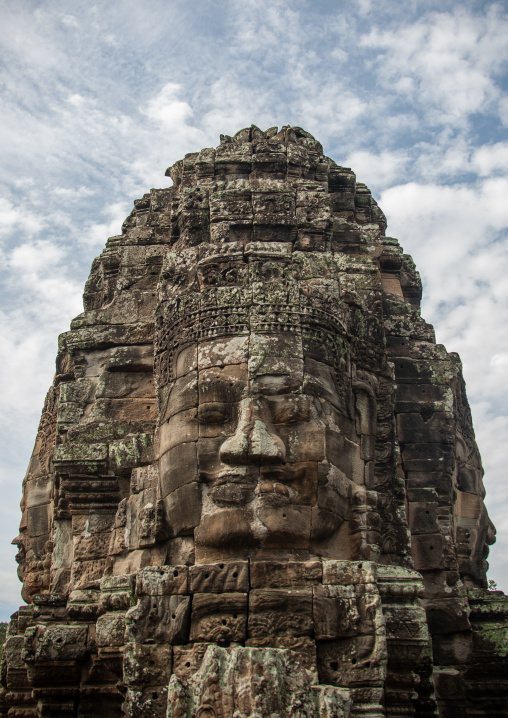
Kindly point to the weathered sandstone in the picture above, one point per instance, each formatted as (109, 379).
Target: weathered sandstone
(255, 489)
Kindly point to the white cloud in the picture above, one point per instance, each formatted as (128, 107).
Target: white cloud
(491, 159)
(503, 111)
(267, 30)
(77, 101)
(97, 234)
(499, 360)
(167, 109)
(377, 170)
(35, 257)
(70, 21)
(329, 104)
(12, 218)
(364, 6)
(73, 193)
(445, 62)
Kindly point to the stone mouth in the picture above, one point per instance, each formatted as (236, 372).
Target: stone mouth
(235, 493)
(271, 485)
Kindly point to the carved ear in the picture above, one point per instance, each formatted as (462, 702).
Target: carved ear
(365, 408)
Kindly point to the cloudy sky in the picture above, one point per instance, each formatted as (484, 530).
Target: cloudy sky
(97, 99)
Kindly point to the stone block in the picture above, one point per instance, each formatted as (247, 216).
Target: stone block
(303, 646)
(285, 574)
(428, 457)
(439, 428)
(183, 509)
(452, 649)
(450, 684)
(38, 519)
(117, 601)
(91, 546)
(38, 491)
(74, 452)
(223, 352)
(273, 208)
(310, 445)
(344, 573)
(86, 573)
(423, 396)
(288, 526)
(224, 535)
(447, 615)
(13, 652)
(61, 643)
(428, 551)
(336, 495)
(187, 659)
(179, 429)
(227, 384)
(85, 604)
(142, 410)
(351, 662)
(186, 360)
(335, 612)
(119, 385)
(423, 517)
(177, 467)
(111, 629)
(180, 395)
(225, 577)
(219, 617)
(162, 581)
(162, 619)
(406, 625)
(280, 612)
(147, 664)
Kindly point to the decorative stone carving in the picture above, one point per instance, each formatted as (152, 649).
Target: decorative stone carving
(255, 490)
(247, 682)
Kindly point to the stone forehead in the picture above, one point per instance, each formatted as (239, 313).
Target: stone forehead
(235, 359)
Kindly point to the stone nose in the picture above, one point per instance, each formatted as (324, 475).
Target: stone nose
(254, 440)
(264, 444)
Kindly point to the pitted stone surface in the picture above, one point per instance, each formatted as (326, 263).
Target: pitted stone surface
(255, 488)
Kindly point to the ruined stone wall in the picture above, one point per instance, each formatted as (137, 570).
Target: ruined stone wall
(255, 488)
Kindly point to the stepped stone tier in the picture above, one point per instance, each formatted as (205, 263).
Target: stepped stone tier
(255, 490)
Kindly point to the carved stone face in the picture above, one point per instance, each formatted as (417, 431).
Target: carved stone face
(259, 452)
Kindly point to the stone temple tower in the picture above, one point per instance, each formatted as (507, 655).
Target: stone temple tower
(255, 490)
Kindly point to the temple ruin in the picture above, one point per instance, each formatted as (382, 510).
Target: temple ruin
(255, 489)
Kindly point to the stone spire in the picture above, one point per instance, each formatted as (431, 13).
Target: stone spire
(255, 489)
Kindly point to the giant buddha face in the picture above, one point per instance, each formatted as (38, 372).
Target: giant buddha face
(259, 450)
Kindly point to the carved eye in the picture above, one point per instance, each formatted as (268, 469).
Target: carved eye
(290, 411)
(287, 414)
(213, 413)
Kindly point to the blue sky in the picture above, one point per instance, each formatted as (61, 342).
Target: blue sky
(98, 99)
